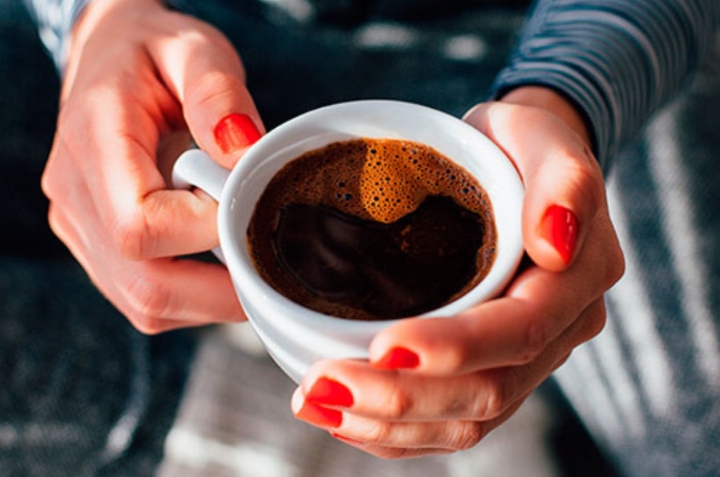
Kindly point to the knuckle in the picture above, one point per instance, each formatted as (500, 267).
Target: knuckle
(54, 221)
(214, 87)
(457, 406)
(586, 183)
(563, 359)
(596, 326)
(537, 336)
(596, 321)
(612, 267)
(493, 401)
(48, 184)
(149, 300)
(131, 237)
(616, 264)
(379, 434)
(203, 35)
(465, 435)
(456, 359)
(53, 181)
(399, 404)
(73, 119)
(146, 325)
(390, 453)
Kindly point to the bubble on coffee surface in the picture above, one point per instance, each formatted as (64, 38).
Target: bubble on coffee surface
(402, 244)
(377, 179)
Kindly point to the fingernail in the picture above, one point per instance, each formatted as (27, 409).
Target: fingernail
(329, 393)
(320, 416)
(560, 228)
(236, 131)
(398, 358)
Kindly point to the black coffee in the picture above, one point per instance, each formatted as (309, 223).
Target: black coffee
(373, 229)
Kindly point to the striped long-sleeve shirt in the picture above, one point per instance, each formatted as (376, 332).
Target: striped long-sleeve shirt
(618, 60)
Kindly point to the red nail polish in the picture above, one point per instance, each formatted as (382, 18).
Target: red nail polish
(320, 416)
(235, 131)
(329, 393)
(560, 228)
(398, 358)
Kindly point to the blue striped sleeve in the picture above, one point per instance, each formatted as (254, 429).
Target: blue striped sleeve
(55, 19)
(618, 60)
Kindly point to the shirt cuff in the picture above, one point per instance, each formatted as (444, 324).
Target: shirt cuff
(597, 109)
(617, 60)
(55, 20)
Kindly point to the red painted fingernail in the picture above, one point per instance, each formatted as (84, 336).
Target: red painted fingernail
(236, 131)
(346, 439)
(329, 393)
(320, 416)
(560, 228)
(398, 358)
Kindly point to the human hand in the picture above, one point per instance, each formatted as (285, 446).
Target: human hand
(441, 384)
(140, 79)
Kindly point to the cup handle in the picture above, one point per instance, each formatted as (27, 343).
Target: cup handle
(195, 168)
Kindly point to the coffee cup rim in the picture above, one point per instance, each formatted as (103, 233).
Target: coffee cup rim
(330, 124)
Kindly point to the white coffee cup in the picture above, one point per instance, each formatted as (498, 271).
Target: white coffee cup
(295, 336)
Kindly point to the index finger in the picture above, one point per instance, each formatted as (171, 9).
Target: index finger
(203, 73)
(203, 70)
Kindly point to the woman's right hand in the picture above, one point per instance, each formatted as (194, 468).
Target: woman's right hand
(139, 78)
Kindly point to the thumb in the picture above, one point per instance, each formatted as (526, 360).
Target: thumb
(204, 72)
(563, 181)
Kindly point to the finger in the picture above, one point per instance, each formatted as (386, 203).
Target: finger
(563, 181)
(340, 391)
(440, 436)
(385, 438)
(115, 157)
(400, 440)
(155, 295)
(179, 290)
(205, 73)
(410, 398)
(408, 440)
(510, 330)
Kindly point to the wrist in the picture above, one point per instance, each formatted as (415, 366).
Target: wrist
(100, 19)
(553, 102)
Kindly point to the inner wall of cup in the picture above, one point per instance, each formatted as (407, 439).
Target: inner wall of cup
(466, 147)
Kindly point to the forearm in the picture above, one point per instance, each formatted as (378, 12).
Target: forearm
(617, 60)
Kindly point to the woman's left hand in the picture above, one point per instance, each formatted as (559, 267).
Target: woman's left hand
(438, 385)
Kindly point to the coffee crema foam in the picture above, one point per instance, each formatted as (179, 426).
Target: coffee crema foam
(377, 180)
